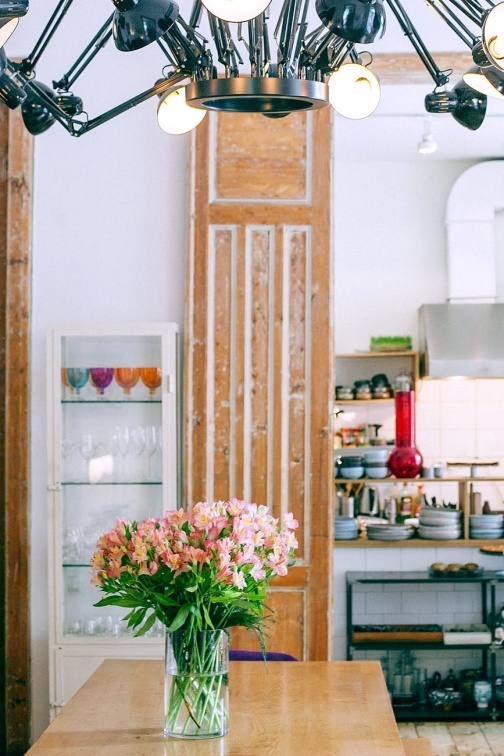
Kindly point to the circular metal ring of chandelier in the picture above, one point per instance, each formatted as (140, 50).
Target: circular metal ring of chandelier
(267, 95)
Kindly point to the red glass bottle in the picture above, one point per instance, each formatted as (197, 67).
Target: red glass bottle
(405, 460)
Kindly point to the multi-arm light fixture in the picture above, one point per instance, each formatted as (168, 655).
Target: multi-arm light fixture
(291, 69)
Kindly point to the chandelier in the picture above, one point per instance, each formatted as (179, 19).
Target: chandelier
(229, 56)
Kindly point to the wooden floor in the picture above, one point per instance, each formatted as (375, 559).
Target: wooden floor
(453, 738)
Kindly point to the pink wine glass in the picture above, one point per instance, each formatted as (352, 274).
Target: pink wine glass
(101, 378)
(127, 378)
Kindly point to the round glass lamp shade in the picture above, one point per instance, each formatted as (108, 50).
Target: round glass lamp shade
(359, 21)
(236, 11)
(487, 81)
(7, 28)
(175, 116)
(354, 91)
(137, 23)
(493, 36)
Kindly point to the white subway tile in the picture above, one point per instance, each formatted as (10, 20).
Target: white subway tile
(458, 415)
(458, 390)
(490, 415)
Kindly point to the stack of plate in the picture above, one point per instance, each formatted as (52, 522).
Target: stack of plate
(440, 524)
(486, 526)
(345, 528)
(390, 532)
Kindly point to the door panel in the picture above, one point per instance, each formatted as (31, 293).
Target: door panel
(258, 362)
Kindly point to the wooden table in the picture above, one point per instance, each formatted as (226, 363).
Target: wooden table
(284, 708)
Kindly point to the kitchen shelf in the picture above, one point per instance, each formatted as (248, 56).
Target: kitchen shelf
(487, 582)
(464, 484)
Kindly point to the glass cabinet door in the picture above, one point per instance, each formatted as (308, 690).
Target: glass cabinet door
(114, 452)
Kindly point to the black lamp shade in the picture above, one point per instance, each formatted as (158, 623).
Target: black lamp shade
(11, 94)
(137, 23)
(471, 106)
(69, 103)
(440, 102)
(13, 8)
(36, 116)
(359, 21)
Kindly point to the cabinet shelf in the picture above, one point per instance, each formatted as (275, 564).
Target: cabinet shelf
(419, 713)
(110, 401)
(129, 446)
(112, 483)
(364, 543)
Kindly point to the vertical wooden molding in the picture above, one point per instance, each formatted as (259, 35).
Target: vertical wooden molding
(258, 380)
(15, 278)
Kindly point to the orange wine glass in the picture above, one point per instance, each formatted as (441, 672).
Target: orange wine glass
(151, 377)
(127, 378)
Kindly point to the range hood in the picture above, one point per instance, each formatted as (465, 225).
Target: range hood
(465, 340)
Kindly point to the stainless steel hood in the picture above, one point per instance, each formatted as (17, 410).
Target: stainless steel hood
(462, 340)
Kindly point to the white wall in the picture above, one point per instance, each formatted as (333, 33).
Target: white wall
(109, 240)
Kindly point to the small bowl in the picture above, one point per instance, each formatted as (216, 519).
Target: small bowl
(351, 473)
(376, 455)
(376, 471)
(351, 462)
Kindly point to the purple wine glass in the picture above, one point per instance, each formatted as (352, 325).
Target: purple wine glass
(101, 378)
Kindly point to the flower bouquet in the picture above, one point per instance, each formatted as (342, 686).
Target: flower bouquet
(199, 573)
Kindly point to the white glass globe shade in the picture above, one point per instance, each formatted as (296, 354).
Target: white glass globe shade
(493, 36)
(6, 29)
(354, 91)
(175, 116)
(236, 11)
(479, 82)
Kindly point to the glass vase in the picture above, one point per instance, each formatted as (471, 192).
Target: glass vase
(196, 684)
(405, 460)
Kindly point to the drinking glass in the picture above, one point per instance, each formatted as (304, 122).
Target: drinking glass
(123, 437)
(151, 377)
(138, 446)
(77, 378)
(127, 378)
(152, 445)
(101, 378)
(86, 448)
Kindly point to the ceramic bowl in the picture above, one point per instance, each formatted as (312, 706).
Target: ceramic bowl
(351, 473)
(376, 455)
(379, 471)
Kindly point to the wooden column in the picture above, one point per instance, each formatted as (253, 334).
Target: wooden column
(15, 276)
(258, 360)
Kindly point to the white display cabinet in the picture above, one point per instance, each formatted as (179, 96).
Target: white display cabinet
(113, 451)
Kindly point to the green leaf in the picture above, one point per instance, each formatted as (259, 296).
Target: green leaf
(180, 618)
(147, 625)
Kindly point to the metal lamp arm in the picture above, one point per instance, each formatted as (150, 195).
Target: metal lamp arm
(439, 77)
(29, 63)
(97, 43)
(453, 22)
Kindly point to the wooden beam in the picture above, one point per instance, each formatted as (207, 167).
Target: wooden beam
(15, 276)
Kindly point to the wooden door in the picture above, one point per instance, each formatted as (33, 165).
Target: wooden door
(258, 345)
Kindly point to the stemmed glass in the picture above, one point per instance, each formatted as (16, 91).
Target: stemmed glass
(77, 378)
(138, 444)
(127, 378)
(151, 377)
(123, 436)
(67, 449)
(86, 448)
(101, 378)
(152, 444)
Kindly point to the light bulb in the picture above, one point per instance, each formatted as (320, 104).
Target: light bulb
(354, 91)
(175, 116)
(6, 29)
(493, 35)
(486, 82)
(236, 11)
